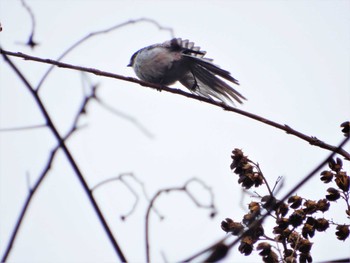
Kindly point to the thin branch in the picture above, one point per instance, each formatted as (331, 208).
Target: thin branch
(105, 31)
(30, 42)
(74, 127)
(260, 221)
(175, 189)
(23, 128)
(279, 182)
(120, 178)
(264, 179)
(32, 191)
(114, 111)
(70, 159)
(125, 116)
(310, 139)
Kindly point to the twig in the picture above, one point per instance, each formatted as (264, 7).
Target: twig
(30, 42)
(114, 111)
(125, 116)
(23, 128)
(310, 139)
(62, 145)
(175, 189)
(121, 179)
(25, 207)
(49, 124)
(105, 31)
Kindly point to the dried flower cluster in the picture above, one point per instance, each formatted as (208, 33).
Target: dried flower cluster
(248, 174)
(297, 219)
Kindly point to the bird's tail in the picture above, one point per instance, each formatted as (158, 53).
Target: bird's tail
(203, 80)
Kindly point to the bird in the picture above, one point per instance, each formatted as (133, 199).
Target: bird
(180, 60)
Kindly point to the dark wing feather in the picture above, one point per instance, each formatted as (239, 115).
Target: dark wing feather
(203, 76)
(213, 68)
(216, 84)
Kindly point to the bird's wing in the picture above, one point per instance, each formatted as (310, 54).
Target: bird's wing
(212, 68)
(202, 81)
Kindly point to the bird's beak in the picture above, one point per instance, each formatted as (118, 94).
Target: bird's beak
(129, 65)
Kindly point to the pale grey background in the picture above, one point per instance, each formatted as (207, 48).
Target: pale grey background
(292, 59)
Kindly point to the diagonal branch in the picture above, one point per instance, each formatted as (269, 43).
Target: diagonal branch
(26, 204)
(310, 139)
(62, 145)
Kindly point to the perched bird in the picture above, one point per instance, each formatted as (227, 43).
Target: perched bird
(180, 60)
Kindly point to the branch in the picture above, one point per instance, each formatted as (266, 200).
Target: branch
(23, 128)
(177, 189)
(105, 31)
(62, 145)
(30, 42)
(25, 207)
(310, 139)
(93, 95)
(125, 116)
(121, 179)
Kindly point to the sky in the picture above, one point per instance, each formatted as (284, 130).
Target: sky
(292, 59)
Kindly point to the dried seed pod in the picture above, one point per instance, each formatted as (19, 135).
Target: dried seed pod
(342, 181)
(310, 206)
(283, 223)
(333, 194)
(228, 225)
(296, 219)
(305, 258)
(254, 207)
(305, 246)
(323, 205)
(308, 231)
(282, 209)
(295, 200)
(326, 176)
(246, 246)
(342, 232)
(265, 248)
(346, 128)
(321, 224)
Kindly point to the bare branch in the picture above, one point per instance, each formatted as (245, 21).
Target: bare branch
(105, 31)
(23, 128)
(127, 117)
(30, 42)
(310, 139)
(32, 191)
(177, 189)
(62, 145)
(121, 179)
(93, 95)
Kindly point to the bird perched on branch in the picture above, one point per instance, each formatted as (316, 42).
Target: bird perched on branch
(180, 60)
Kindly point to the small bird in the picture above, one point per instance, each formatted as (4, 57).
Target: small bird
(180, 60)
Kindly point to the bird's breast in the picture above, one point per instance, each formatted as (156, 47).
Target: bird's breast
(159, 65)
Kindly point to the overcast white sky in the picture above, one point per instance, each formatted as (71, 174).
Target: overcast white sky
(292, 59)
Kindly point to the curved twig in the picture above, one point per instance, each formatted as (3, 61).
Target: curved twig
(184, 188)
